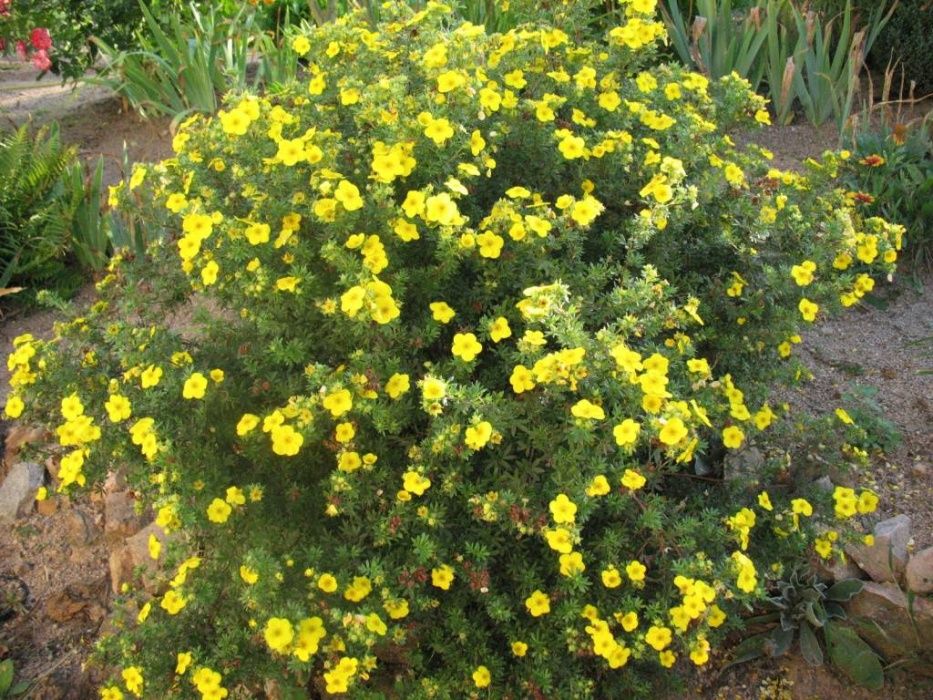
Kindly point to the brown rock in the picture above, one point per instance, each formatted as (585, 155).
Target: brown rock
(79, 528)
(919, 575)
(895, 627)
(132, 557)
(18, 436)
(18, 490)
(837, 568)
(120, 516)
(75, 599)
(47, 507)
(886, 559)
(61, 607)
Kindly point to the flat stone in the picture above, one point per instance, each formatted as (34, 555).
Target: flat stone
(744, 464)
(132, 557)
(836, 568)
(919, 575)
(895, 627)
(80, 528)
(18, 491)
(120, 516)
(886, 559)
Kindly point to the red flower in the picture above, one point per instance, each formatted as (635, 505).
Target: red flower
(41, 39)
(863, 197)
(21, 49)
(874, 161)
(41, 60)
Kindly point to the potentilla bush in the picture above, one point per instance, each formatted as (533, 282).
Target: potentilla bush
(477, 308)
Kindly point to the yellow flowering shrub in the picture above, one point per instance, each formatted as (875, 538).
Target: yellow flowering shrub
(482, 303)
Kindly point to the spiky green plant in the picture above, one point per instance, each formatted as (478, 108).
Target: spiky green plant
(35, 215)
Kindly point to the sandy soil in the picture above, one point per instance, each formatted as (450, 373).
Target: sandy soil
(90, 116)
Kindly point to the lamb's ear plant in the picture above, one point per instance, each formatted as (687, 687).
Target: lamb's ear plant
(811, 613)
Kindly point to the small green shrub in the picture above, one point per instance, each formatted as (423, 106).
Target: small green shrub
(890, 174)
(481, 301)
(34, 210)
(908, 41)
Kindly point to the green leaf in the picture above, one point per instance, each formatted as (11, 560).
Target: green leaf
(20, 688)
(810, 646)
(6, 675)
(748, 649)
(853, 656)
(780, 641)
(844, 590)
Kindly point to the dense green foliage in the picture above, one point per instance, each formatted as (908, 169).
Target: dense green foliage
(488, 309)
(34, 210)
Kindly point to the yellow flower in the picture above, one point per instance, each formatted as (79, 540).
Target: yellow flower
(249, 575)
(733, 437)
(764, 500)
(195, 386)
(499, 329)
(482, 677)
(522, 379)
(442, 577)
(478, 435)
(172, 602)
(538, 604)
(327, 583)
(673, 432)
(14, 406)
(586, 409)
(348, 195)
(441, 311)
(867, 502)
(433, 389)
(626, 432)
(182, 662)
(466, 347)
(150, 377)
(154, 545)
(490, 244)
(301, 45)
(286, 441)
(633, 480)
(133, 678)
(397, 385)
(118, 408)
(636, 571)
(611, 577)
(218, 511)
(559, 539)
(415, 483)
(658, 637)
(278, 634)
(843, 415)
(246, 424)
(338, 402)
(808, 310)
(803, 273)
(563, 510)
(519, 649)
(599, 486)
